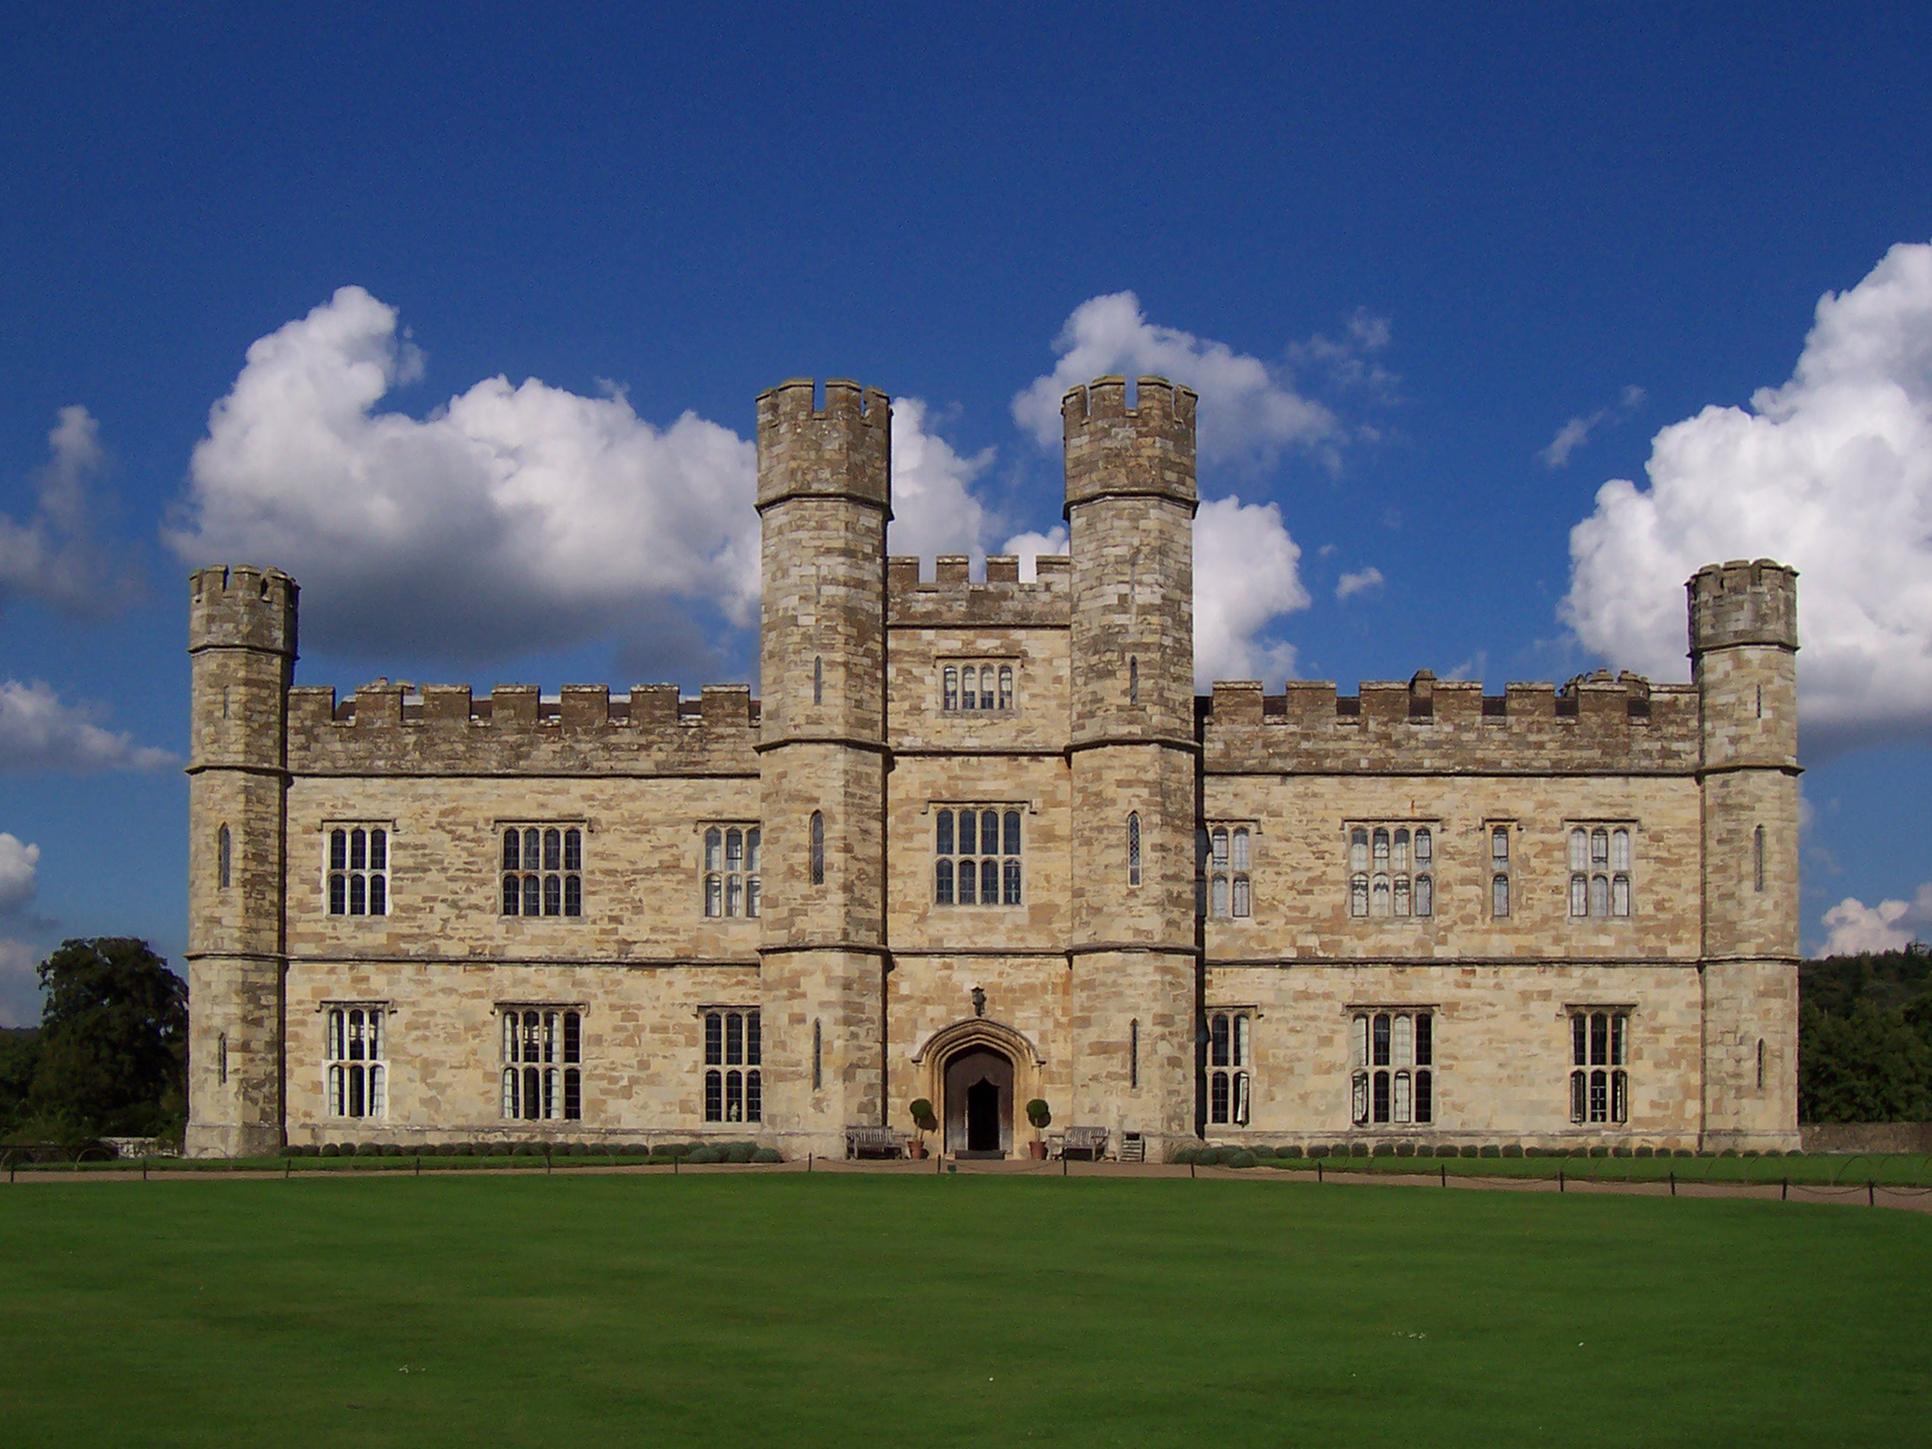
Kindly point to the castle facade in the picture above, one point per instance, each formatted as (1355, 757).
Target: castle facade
(981, 843)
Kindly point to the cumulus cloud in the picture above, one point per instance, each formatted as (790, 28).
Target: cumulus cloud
(1029, 546)
(934, 509)
(19, 984)
(19, 873)
(1855, 927)
(1248, 411)
(40, 734)
(1830, 472)
(1359, 582)
(1576, 432)
(1246, 576)
(54, 556)
(511, 517)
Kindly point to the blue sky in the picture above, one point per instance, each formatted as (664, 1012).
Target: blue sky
(1441, 278)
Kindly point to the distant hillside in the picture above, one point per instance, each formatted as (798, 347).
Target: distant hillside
(1865, 1038)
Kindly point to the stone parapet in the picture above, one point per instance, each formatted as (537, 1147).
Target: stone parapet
(952, 600)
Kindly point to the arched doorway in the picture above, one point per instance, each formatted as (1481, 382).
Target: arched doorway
(979, 1102)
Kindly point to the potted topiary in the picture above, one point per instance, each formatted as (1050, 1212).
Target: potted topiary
(1040, 1115)
(923, 1119)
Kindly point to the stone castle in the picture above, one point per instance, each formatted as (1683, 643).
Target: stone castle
(981, 843)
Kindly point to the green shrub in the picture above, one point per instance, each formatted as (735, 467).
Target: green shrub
(1728, 1152)
(678, 1149)
(1039, 1114)
(1447, 1149)
(1490, 1149)
(1620, 1152)
(1243, 1158)
(704, 1155)
(1683, 1152)
(740, 1151)
(500, 1149)
(1468, 1150)
(1405, 1149)
(1774, 1152)
(1319, 1149)
(1646, 1151)
(1292, 1151)
(289, 1149)
(1705, 1152)
(1358, 1149)
(1750, 1152)
(1263, 1151)
(1512, 1149)
(1600, 1151)
(767, 1154)
(1382, 1149)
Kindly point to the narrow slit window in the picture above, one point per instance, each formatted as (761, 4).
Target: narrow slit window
(818, 681)
(818, 848)
(224, 857)
(1133, 848)
(1133, 680)
(1757, 858)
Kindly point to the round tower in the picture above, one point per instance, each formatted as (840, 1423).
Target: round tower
(824, 499)
(1743, 650)
(241, 646)
(1130, 502)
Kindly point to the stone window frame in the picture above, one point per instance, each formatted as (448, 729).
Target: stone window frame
(355, 1060)
(1224, 869)
(1599, 1051)
(728, 891)
(1003, 675)
(1602, 856)
(1008, 862)
(1395, 1066)
(541, 1060)
(732, 1071)
(1393, 863)
(1227, 1071)
(1501, 873)
(352, 883)
(560, 885)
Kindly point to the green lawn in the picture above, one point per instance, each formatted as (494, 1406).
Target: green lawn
(908, 1310)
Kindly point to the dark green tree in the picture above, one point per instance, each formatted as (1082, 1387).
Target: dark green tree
(1865, 1038)
(19, 1051)
(113, 1041)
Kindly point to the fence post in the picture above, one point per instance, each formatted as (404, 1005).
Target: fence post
(1673, 1182)
(1559, 1180)
(1784, 1191)
(1871, 1192)
(1444, 1170)
(1318, 1170)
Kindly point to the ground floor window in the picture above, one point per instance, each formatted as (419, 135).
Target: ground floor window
(357, 1074)
(1394, 1058)
(543, 1055)
(1599, 1083)
(1230, 1066)
(734, 1087)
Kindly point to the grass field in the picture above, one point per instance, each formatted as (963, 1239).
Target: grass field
(909, 1310)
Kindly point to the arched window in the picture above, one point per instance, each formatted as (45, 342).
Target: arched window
(818, 848)
(1358, 849)
(1599, 849)
(1499, 870)
(1425, 895)
(1760, 1064)
(732, 1042)
(949, 694)
(1381, 843)
(221, 1060)
(1599, 895)
(1006, 686)
(356, 1074)
(1399, 854)
(1579, 895)
(1599, 1087)
(1619, 895)
(1620, 850)
(818, 1055)
(1133, 679)
(224, 857)
(1218, 894)
(1580, 851)
(1133, 1055)
(1757, 858)
(1393, 1056)
(1133, 848)
(818, 681)
(1499, 895)
(1379, 896)
(1229, 1062)
(1402, 895)
(1358, 895)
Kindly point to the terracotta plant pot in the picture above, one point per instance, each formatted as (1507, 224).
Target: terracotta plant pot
(915, 1149)
(1038, 1150)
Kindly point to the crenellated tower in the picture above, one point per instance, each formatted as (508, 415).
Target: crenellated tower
(241, 644)
(1743, 649)
(1134, 958)
(824, 499)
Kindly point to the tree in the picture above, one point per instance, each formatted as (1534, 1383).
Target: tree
(1865, 1039)
(113, 1042)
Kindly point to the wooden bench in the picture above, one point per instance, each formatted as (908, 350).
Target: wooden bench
(1084, 1144)
(874, 1142)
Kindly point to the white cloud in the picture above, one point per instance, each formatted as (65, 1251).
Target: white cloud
(1576, 432)
(40, 734)
(1246, 575)
(1359, 582)
(933, 507)
(54, 557)
(509, 518)
(1029, 546)
(1830, 472)
(1247, 411)
(1855, 927)
(19, 873)
(19, 984)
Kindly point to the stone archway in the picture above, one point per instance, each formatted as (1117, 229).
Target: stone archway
(977, 1108)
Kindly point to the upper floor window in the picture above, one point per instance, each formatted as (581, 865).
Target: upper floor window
(976, 687)
(358, 870)
(1230, 1066)
(1222, 883)
(543, 870)
(1394, 1058)
(356, 1074)
(1757, 859)
(1133, 848)
(543, 1055)
(1599, 870)
(1391, 870)
(733, 1055)
(815, 862)
(1599, 1085)
(731, 869)
(1499, 871)
(1133, 680)
(224, 857)
(978, 854)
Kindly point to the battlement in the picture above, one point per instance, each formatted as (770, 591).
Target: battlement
(1112, 449)
(242, 608)
(1594, 724)
(951, 597)
(395, 728)
(1743, 602)
(842, 450)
